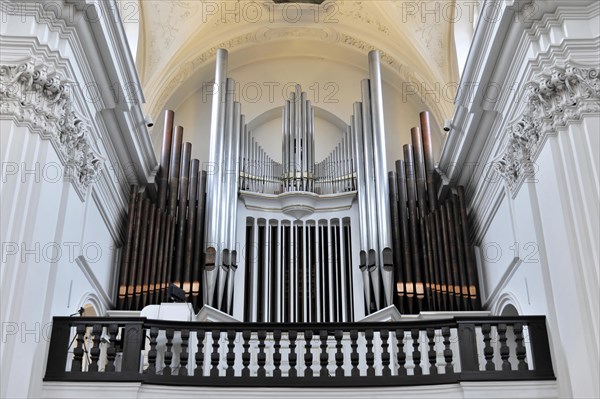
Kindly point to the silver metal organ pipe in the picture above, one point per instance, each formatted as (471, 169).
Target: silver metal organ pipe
(346, 160)
(279, 275)
(309, 147)
(254, 297)
(342, 267)
(285, 137)
(338, 167)
(305, 274)
(298, 137)
(254, 168)
(238, 127)
(382, 189)
(291, 172)
(372, 256)
(232, 172)
(361, 191)
(225, 255)
(292, 273)
(266, 273)
(302, 143)
(213, 194)
(330, 283)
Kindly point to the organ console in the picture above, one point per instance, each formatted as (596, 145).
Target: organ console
(393, 243)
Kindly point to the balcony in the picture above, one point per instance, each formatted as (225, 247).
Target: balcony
(365, 354)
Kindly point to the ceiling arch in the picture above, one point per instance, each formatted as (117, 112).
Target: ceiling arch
(181, 39)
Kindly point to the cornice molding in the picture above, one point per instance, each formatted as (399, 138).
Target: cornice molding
(553, 100)
(41, 99)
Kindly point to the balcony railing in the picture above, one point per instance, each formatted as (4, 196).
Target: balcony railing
(311, 355)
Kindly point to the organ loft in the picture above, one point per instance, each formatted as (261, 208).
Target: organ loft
(298, 239)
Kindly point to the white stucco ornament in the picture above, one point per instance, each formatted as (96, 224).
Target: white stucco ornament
(553, 100)
(43, 100)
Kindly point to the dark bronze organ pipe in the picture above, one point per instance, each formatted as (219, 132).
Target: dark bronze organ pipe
(126, 252)
(396, 237)
(471, 269)
(170, 249)
(429, 164)
(428, 247)
(432, 202)
(165, 156)
(409, 287)
(453, 254)
(134, 252)
(148, 258)
(174, 168)
(142, 253)
(159, 264)
(460, 249)
(435, 260)
(198, 267)
(419, 167)
(441, 258)
(447, 257)
(184, 178)
(414, 227)
(155, 246)
(166, 278)
(190, 227)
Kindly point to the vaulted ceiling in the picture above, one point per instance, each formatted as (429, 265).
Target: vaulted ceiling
(178, 40)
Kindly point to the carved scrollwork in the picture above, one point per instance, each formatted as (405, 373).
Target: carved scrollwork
(553, 99)
(32, 95)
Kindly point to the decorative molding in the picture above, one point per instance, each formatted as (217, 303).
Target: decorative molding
(32, 95)
(553, 100)
(297, 204)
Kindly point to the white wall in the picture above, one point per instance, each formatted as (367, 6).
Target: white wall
(536, 236)
(60, 236)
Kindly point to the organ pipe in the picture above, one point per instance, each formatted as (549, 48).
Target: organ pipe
(413, 251)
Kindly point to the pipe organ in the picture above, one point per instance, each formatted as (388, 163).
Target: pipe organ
(298, 239)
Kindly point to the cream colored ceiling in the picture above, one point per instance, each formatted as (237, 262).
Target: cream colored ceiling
(179, 39)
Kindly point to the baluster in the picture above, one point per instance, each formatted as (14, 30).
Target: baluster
(200, 354)
(415, 333)
(385, 354)
(447, 351)
(339, 355)
(214, 356)
(95, 350)
(504, 351)
(246, 334)
(152, 352)
(277, 354)
(354, 355)
(292, 358)
(308, 357)
(432, 354)
(401, 356)
(184, 355)
(324, 357)
(521, 352)
(230, 372)
(111, 352)
(488, 351)
(78, 350)
(168, 353)
(262, 357)
(370, 356)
